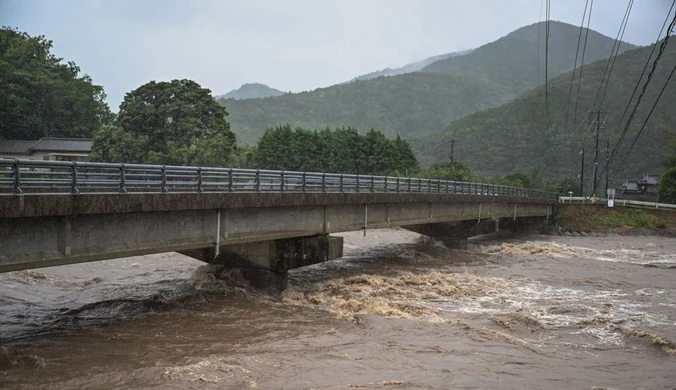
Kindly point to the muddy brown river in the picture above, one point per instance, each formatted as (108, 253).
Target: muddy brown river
(398, 311)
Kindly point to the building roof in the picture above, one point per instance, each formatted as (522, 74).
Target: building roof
(49, 144)
(16, 147)
(651, 178)
(631, 185)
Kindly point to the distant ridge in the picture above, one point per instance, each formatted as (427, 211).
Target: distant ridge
(251, 91)
(408, 68)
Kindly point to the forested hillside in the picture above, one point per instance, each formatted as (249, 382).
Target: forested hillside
(401, 104)
(417, 103)
(512, 61)
(514, 137)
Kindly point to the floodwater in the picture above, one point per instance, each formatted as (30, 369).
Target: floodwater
(398, 311)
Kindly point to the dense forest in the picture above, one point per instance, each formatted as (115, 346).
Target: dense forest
(414, 104)
(41, 95)
(514, 137)
(340, 150)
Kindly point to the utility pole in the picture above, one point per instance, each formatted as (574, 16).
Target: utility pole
(607, 163)
(582, 173)
(452, 147)
(596, 149)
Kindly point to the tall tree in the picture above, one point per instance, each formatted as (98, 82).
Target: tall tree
(42, 96)
(176, 122)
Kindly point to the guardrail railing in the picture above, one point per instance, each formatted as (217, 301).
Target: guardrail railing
(617, 201)
(35, 176)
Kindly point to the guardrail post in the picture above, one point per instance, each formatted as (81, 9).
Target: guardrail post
(199, 180)
(372, 183)
(164, 178)
(73, 175)
(385, 183)
(341, 182)
(419, 185)
(257, 184)
(123, 179)
(17, 177)
(230, 181)
(397, 183)
(281, 185)
(304, 182)
(358, 183)
(323, 182)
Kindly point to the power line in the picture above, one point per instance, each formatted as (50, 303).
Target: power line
(547, 15)
(613, 54)
(638, 83)
(584, 49)
(663, 46)
(649, 114)
(572, 79)
(645, 86)
(539, 28)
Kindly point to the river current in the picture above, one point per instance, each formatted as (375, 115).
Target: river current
(399, 311)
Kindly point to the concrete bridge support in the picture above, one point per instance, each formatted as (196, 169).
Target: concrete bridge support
(454, 234)
(265, 264)
(273, 255)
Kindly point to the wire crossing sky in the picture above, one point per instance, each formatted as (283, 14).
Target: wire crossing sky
(291, 45)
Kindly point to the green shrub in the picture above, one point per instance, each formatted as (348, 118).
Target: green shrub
(631, 218)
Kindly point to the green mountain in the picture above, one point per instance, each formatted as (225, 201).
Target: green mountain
(514, 137)
(409, 68)
(400, 104)
(417, 103)
(512, 61)
(251, 91)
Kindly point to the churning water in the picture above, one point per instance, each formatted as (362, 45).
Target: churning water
(398, 311)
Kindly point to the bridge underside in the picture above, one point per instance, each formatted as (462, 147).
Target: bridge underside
(273, 237)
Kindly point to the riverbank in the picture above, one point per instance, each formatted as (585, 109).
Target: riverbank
(622, 220)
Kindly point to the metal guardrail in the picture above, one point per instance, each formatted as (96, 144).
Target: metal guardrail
(619, 202)
(35, 176)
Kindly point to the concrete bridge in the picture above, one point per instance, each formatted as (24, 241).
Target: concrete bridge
(54, 213)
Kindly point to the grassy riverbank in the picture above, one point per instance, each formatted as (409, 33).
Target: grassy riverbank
(591, 218)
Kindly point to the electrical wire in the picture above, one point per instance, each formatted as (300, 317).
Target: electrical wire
(572, 79)
(547, 15)
(584, 49)
(613, 55)
(649, 115)
(645, 86)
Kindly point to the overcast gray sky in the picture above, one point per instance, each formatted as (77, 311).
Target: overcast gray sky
(292, 45)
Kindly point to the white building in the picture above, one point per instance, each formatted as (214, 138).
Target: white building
(53, 149)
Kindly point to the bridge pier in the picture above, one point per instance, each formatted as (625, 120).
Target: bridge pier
(273, 255)
(264, 264)
(454, 234)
